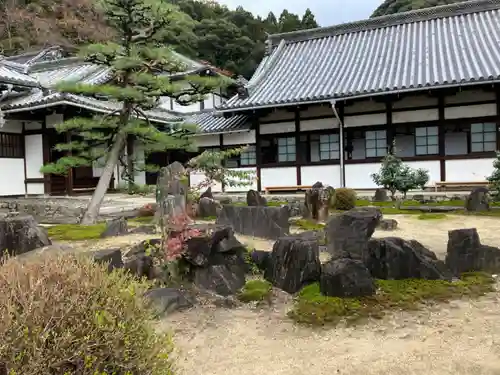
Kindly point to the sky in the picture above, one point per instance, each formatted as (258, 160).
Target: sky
(327, 12)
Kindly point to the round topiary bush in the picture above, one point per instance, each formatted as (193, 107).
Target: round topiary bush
(65, 315)
(344, 199)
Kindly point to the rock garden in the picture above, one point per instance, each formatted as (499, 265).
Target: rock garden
(328, 260)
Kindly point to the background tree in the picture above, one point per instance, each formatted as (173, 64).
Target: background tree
(141, 68)
(308, 20)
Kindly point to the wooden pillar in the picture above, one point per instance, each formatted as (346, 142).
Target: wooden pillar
(69, 176)
(24, 160)
(497, 98)
(221, 145)
(342, 154)
(46, 157)
(441, 138)
(298, 162)
(256, 126)
(391, 133)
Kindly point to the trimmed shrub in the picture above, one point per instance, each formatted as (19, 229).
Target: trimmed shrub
(63, 314)
(344, 199)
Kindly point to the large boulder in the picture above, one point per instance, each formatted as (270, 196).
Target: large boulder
(21, 234)
(255, 199)
(115, 227)
(208, 207)
(171, 181)
(207, 193)
(317, 202)
(465, 253)
(348, 233)
(294, 263)
(380, 195)
(256, 221)
(394, 258)
(223, 279)
(138, 259)
(388, 224)
(478, 200)
(167, 300)
(346, 278)
(112, 257)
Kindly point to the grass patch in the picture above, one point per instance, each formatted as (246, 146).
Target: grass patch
(209, 218)
(307, 224)
(141, 220)
(76, 232)
(311, 307)
(432, 216)
(255, 290)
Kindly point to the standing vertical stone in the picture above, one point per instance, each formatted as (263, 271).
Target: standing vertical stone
(317, 201)
(478, 200)
(172, 180)
(255, 199)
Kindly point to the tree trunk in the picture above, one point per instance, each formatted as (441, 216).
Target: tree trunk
(130, 164)
(92, 212)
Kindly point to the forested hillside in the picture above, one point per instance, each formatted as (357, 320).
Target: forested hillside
(230, 39)
(398, 6)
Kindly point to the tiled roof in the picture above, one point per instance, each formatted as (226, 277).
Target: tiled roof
(51, 73)
(10, 75)
(38, 99)
(210, 122)
(443, 46)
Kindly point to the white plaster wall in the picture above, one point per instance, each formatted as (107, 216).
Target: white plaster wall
(284, 176)
(209, 101)
(421, 115)
(327, 174)
(31, 125)
(468, 111)
(139, 176)
(364, 106)
(469, 96)
(206, 140)
(195, 178)
(319, 124)
(242, 138)
(277, 128)
(468, 170)
(12, 126)
(53, 119)
(33, 148)
(358, 176)
(415, 101)
(364, 120)
(245, 187)
(432, 166)
(35, 189)
(12, 171)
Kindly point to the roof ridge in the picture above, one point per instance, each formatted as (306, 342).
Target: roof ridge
(441, 11)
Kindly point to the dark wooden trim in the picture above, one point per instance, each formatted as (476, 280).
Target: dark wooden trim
(391, 131)
(258, 156)
(341, 109)
(221, 145)
(34, 180)
(497, 94)
(69, 176)
(24, 159)
(34, 132)
(441, 138)
(297, 143)
(46, 156)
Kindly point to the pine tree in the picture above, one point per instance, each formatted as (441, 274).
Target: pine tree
(142, 70)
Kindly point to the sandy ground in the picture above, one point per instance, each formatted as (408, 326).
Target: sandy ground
(458, 338)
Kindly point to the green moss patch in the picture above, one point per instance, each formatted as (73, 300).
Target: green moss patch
(311, 307)
(141, 220)
(432, 216)
(307, 224)
(75, 232)
(255, 290)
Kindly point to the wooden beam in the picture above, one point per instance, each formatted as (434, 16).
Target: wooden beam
(297, 143)
(441, 137)
(256, 126)
(46, 157)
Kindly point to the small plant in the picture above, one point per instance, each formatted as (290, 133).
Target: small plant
(311, 307)
(255, 290)
(494, 179)
(396, 176)
(252, 267)
(64, 314)
(344, 199)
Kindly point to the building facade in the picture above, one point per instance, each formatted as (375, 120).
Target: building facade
(326, 104)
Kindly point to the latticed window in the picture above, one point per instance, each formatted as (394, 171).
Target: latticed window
(286, 149)
(375, 143)
(483, 137)
(11, 145)
(248, 157)
(426, 140)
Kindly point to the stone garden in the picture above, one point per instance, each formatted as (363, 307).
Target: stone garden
(240, 282)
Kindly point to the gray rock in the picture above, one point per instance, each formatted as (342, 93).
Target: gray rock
(346, 278)
(167, 300)
(115, 227)
(171, 181)
(388, 224)
(207, 193)
(256, 221)
(138, 260)
(317, 202)
(223, 279)
(393, 258)
(143, 229)
(255, 199)
(21, 234)
(478, 200)
(208, 207)
(317, 185)
(112, 256)
(260, 258)
(294, 263)
(465, 253)
(198, 250)
(380, 195)
(348, 233)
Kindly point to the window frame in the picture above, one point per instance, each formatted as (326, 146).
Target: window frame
(426, 138)
(376, 139)
(483, 133)
(12, 146)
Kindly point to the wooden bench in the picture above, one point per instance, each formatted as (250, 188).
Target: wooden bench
(270, 189)
(445, 184)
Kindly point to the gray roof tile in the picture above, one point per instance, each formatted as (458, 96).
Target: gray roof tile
(209, 122)
(11, 75)
(436, 47)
